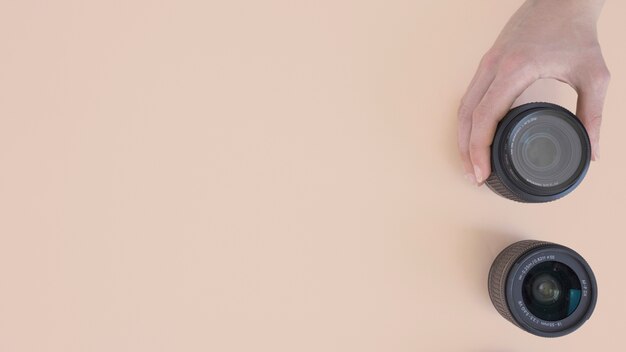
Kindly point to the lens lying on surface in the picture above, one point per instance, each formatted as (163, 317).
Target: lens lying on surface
(540, 153)
(544, 288)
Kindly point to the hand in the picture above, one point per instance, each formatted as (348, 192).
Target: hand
(544, 39)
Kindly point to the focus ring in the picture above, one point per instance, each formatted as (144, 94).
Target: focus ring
(499, 273)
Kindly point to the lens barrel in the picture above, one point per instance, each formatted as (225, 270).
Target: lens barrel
(540, 153)
(543, 288)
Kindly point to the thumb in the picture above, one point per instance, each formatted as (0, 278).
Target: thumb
(589, 108)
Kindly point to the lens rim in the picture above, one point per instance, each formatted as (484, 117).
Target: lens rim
(506, 174)
(515, 283)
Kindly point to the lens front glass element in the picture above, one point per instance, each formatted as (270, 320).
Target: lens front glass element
(545, 149)
(551, 291)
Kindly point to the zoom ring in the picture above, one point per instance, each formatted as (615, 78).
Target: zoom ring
(500, 270)
(495, 184)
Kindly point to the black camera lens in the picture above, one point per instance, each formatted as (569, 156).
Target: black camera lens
(544, 288)
(540, 153)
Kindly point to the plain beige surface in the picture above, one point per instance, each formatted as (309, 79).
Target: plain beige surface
(271, 176)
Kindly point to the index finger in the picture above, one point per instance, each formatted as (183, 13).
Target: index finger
(496, 102)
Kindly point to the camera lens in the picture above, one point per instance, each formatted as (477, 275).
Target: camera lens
(544, 288)
(540, 153)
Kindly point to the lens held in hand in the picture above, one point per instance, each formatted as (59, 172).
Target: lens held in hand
(544, 288)
(540, 153)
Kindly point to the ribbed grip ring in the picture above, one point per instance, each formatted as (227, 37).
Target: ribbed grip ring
(499, 273)
(495, 184)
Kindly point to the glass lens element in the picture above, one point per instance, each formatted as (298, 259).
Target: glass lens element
(546, 289)
(551, 291)
(545, 149)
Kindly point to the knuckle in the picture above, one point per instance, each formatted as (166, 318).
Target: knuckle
(490, 60)
(464, 111)
(515, 64)
(602, 76)
(480, 114)
(596, 75)
(593, 126)
(596, 121)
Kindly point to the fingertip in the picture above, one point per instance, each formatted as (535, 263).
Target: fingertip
(480, 164)
(482, 174)
(478, 173)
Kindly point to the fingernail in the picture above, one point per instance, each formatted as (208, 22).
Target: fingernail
(596, 151)
(479, 177)
(471, 178)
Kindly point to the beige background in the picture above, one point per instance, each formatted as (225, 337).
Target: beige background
(271, 176)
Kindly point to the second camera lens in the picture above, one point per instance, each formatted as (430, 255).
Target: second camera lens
(544, 288)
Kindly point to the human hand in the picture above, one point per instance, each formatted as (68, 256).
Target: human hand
(544, 39)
